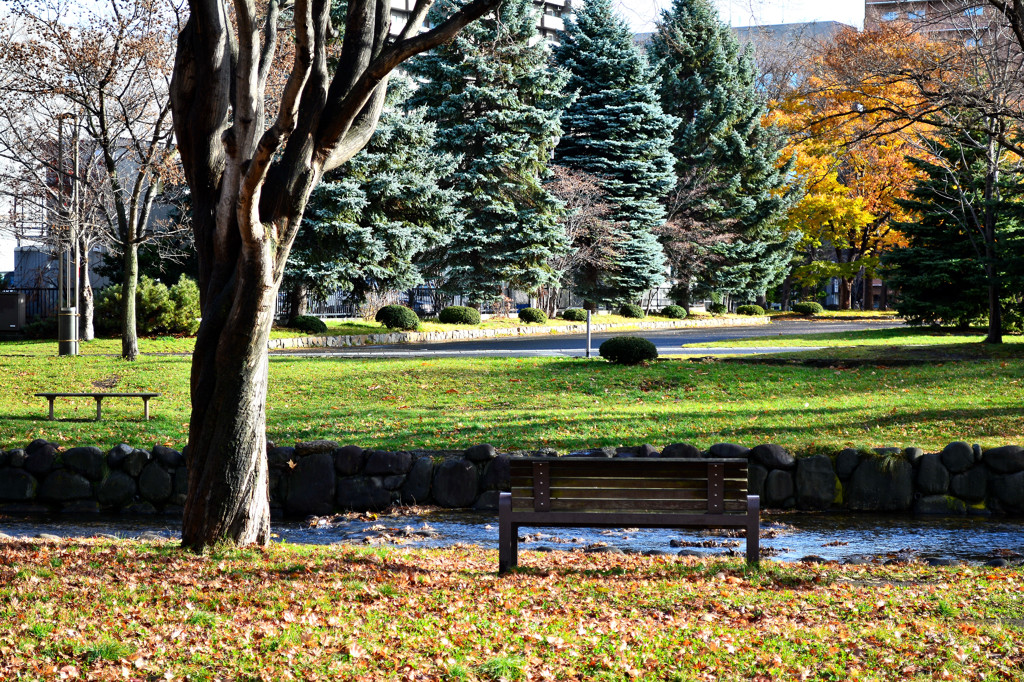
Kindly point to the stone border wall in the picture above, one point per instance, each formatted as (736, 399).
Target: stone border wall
(522, 330)
(322, 477)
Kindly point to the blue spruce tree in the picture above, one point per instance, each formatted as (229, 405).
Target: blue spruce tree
(497, 103)
(616, 130)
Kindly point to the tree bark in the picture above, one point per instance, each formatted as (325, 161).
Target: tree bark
(86, 313)
(995, 310)
(298, 302)
(845, 293)
(129, 290)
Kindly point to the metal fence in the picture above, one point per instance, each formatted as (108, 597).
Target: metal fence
(39, 302)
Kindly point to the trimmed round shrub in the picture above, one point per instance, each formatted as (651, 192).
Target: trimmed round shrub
(750, 310)
(675, 312)
(717, 308)
(632, 310)
(535, 315)
(574, 314)
(628, 350)
(308, 323)
(808, 308)
(397, 317)
(158, 309)
(459, 314)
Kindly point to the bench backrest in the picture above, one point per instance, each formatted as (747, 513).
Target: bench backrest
(629, 485)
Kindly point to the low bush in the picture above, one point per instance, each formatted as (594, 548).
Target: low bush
(309, 324)
(675, 312)
(628, 350)
(808, 308)
(398, 317)
(158, 309)
(41, 328)
(459, 314)
(574, 314)
(717, 308)
(535, 315)
(632, 310)
(750, 310)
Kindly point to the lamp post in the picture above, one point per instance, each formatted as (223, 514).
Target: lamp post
(68, 256)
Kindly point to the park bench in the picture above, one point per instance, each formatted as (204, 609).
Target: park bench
(586, 492)
(98, 397)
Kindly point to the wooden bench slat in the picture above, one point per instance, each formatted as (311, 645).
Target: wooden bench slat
(636, 506)
(562, 493)
(637, 483)
(630, 469)
(627, 520)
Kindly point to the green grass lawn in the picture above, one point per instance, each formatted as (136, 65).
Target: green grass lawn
(111, 610)
(558, 402)
(897, 336)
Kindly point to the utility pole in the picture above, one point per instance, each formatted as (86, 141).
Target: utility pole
(67, 255)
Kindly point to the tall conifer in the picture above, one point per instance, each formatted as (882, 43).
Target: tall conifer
(616, 130)
(497, 104)
(731, 191)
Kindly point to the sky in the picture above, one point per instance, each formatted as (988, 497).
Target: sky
(643, 13)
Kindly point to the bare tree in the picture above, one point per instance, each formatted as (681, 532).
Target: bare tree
(589, 231)
(250, 183)
(108, 68)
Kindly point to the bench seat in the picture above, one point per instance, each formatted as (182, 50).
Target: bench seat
(585, 492)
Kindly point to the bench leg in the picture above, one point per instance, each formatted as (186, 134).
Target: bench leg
(508, 540)
(145, 407)
(99, 409)
(753, 530)
(51, 409)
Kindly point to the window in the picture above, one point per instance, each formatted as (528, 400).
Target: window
(890, 16)
(973, 11)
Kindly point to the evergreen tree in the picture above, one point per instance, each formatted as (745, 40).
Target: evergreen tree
(941, 275)
(369, 223)
(731, 191)
(497, 104)
(616, 130)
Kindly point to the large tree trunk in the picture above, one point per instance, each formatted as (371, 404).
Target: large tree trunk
(787, 292)
(86, 313)
(129, 289)
(845, 293)
(995, 310)
(298, 302)
(227, 452)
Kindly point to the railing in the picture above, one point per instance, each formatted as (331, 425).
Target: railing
(39, 302)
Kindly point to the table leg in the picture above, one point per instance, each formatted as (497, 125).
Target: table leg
(145, 407)
(51, 408)
(99, 411)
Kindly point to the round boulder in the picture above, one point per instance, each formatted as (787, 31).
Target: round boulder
(815, 482)
(362, 493)
(155, 484)
(16, 458)
(729, 450)
(932, 476)
(384, 463)
(17, 485)
(40, 460)
(958, 457)
(881, 485)
(940, 505)
(116, 490)
(117, 455)
(484, 452)
(349, 460)
(682, 451)
(496, 474)
(311, 486)
(416, 488)
(1009, 491)
(773, 456)
(135, 462)
(846, 463)
(455, 483)
(756, 476)
(1008, 459)
(278, 458)
(87, 461)
(314, 447)
(64, 485)
(778, 488)
(169, 457)
(970, 485)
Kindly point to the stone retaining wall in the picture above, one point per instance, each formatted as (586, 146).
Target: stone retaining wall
(322, 477)
(522, 330)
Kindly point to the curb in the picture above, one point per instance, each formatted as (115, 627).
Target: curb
(470, 334)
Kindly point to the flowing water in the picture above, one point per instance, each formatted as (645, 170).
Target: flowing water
(785, 536)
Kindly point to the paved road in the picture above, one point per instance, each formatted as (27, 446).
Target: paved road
(573, 345)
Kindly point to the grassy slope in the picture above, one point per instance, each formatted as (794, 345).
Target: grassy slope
(899, 336)
(563, 403)
(110, 610)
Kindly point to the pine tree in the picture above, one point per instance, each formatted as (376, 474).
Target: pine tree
(731, 191)
(940, 275)
(616, 130)
(370, 223)
(496, 103)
